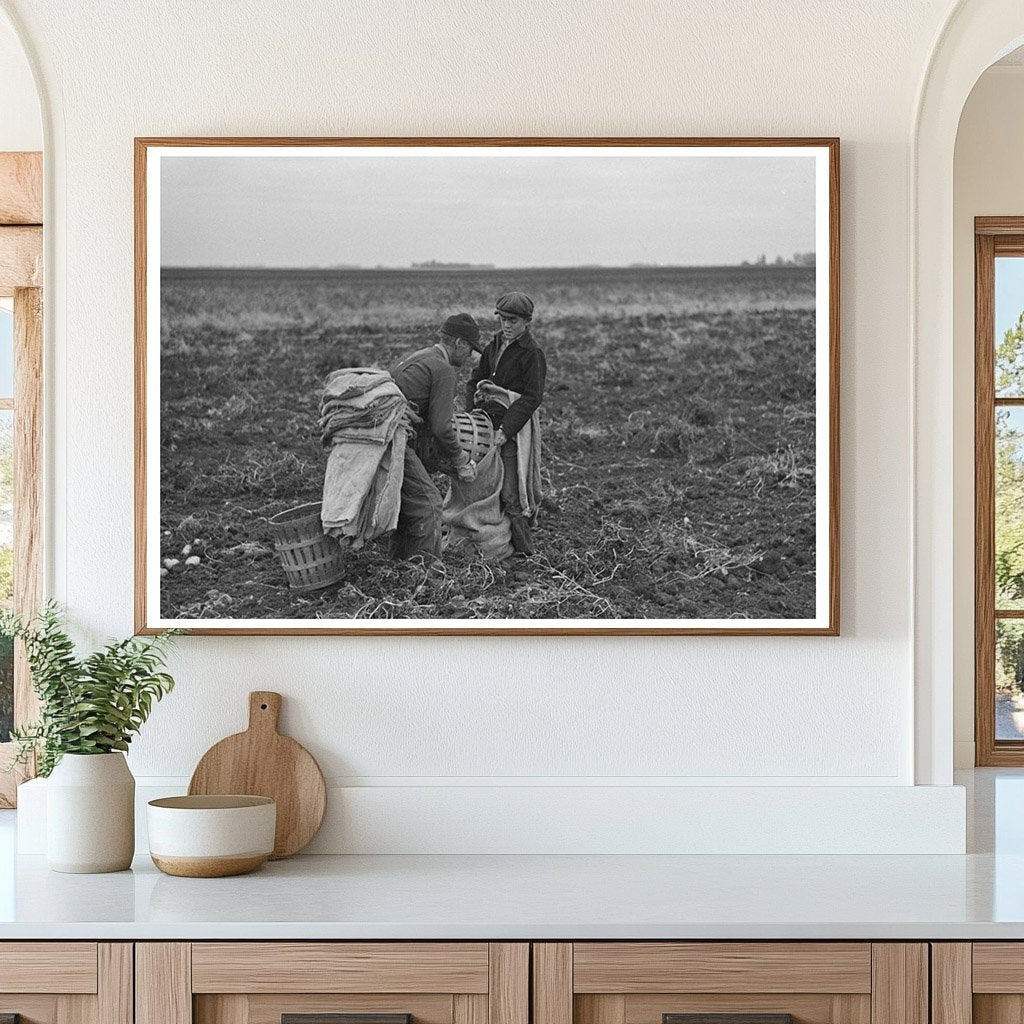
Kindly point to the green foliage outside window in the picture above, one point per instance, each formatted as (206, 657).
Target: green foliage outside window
(1009, 510)
(6, 688)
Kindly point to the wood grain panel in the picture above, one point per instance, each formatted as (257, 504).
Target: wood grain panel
(11, 780)
(21, 259)
(21, 188)
(951, 983)
(850, 1009)
(998, 1009)
(469, 1009)
(141, 265)
(508, 993)
(65, 967)
(339, 967)
(1010, 245)
(115, 983)
(997, 225)
(636, 967)
(229, 1009)
(833, 390)
(552, 983)
(805, 1008)
(593, 1009)
(76, 1010)
(267, 1009)
(163, 983)
(984, 501)
(34, 1009)
(998, 967)
(28, 483)
(899, 983)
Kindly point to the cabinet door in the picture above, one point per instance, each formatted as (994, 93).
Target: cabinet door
(730, 983)
(981, 982)
(332, 983)
(66, 982)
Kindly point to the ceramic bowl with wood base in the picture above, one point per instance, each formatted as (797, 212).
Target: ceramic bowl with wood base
(211, 836)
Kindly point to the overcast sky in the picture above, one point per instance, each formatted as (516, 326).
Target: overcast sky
(511, 211)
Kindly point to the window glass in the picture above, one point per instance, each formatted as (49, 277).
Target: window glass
(6, 353)
(1009, 679)
(1009, 327)
(1009, 524)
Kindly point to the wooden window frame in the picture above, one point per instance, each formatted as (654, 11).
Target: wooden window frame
(21, 278)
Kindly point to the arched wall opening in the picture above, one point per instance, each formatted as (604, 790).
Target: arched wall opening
(976, 35)
(989, 151)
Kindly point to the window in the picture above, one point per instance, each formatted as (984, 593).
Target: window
(999, 490)
(21, 364)
(6, 510)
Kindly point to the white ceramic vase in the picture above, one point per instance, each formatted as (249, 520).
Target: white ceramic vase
(90, 814)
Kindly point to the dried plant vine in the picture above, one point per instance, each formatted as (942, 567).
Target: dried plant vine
(90, 705)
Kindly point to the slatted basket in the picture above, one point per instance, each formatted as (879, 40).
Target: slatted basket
(311, 560)
(475, 432)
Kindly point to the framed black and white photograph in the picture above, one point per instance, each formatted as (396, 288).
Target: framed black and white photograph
(507, 386)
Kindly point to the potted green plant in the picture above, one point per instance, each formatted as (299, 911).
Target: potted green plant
(89, 710)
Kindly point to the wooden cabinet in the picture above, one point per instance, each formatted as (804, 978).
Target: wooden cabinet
(978, 983)
(494, 983)
(66, 982)
(756, 982)
(307, 982)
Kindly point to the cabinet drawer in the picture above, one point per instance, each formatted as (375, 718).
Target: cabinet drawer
(66, 982)
(332, 983)
(340, 967)
(65, 967)
(633, 967)
(730, 983)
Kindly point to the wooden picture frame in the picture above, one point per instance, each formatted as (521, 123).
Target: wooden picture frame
(164, 207)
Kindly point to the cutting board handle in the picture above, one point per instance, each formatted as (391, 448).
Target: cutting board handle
(264, 710)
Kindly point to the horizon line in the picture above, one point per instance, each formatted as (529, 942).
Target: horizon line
(487, 268)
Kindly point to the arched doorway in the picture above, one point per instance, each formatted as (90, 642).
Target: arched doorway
(976, 34)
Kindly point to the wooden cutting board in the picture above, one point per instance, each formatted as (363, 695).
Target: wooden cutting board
(262, 762)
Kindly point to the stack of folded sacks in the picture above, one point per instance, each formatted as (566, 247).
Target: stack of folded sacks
(363, 421)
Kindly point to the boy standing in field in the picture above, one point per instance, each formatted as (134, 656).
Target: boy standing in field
(427, 378)
(515, 362)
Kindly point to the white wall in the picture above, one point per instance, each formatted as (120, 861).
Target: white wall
(987, 182)
(21, 127)
(434, 716)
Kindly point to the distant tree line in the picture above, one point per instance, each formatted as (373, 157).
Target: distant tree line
(799, 259)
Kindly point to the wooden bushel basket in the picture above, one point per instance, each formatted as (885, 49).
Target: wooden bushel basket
(475, 432)
(311, 560)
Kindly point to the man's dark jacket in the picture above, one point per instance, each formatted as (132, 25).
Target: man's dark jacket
(428, 379)
(523, 368)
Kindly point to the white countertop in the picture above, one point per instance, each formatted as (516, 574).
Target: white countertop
(517, 897)
(977, 896)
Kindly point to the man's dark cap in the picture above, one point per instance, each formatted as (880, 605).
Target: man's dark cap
(462, 325)
(515, 304)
